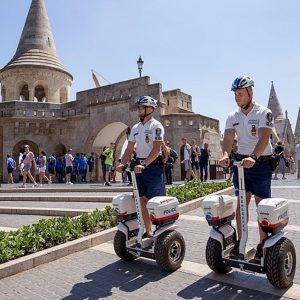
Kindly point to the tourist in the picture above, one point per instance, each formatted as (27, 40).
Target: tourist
(42, 168)
(195, 153)
(69, 166)
(91, 165)
(187, 160)
(51, 167)
(11, 165)
(108, 153)
(282, 165)
(203, 162)
(27, 161)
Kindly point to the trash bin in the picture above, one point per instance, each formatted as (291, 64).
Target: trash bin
(212, 172)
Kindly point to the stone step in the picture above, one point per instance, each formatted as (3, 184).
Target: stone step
(58, 198)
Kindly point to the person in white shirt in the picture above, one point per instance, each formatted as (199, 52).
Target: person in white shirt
(187, 160)
(252, 124)
(298, 158)
(148, 136)
(69, 166)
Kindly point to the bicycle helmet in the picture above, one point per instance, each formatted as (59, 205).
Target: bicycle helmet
(146, 101)
(242, 82)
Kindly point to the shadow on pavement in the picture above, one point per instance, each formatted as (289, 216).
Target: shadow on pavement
(127, 277)
(206, 288)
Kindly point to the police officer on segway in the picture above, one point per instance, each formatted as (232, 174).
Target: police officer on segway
(252, 124)
(148, 137)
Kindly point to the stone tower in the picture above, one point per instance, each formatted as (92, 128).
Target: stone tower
(35, 73)
(282, 126)
(297, 129)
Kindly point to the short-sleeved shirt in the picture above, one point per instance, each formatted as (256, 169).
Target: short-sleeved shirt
(109, 156)
(10, 163)
(69, 158)
(186, 152)
(28, 158)
(51, 162)
(43, 161)
(246, 127)
(82, 163)
(144, 135)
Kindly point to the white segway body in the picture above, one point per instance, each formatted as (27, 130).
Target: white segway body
(166, 246)
(273, 216)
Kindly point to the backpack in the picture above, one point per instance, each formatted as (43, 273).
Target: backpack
(174, 154)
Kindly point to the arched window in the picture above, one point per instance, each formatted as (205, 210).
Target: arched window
(24, 93)
(39, 93)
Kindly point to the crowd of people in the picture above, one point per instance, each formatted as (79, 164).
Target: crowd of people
(66, 168)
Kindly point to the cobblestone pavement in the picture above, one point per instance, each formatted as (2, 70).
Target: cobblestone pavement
(96, 274)
(93, 274)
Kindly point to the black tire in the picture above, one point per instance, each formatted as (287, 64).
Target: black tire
(280, 263)
(214, 257)
(120, 247)
(169, 250)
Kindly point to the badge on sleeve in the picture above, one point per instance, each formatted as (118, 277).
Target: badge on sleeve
(269, 118)
(158, 133)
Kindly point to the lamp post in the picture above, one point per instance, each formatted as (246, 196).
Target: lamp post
(140, 65)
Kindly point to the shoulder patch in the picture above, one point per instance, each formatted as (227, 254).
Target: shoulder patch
(269, 117)
(158, 132)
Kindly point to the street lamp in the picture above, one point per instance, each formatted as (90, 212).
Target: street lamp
(140, 65)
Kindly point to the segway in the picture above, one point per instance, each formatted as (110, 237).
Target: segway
(278, 261)
(167, 245)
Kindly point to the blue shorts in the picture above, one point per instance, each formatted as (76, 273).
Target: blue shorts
(257, 179)
(150, 182)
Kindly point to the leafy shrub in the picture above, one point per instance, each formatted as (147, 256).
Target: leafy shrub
(51, 232)
(195, 189)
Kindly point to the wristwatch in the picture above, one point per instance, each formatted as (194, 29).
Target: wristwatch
(253, 156)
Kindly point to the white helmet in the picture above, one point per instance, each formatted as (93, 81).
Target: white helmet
(146, 101)
(242, 82)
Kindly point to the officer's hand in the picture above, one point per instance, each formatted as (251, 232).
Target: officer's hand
(248, 162)
(120, 168)
(224, 161)
(138, 169)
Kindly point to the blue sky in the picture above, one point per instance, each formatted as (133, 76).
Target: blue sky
(197, 46)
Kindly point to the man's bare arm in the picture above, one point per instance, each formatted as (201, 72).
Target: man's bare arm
(228, 140)
(128, 153)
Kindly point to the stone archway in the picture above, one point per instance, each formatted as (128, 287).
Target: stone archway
(113, 132)
(60, 150)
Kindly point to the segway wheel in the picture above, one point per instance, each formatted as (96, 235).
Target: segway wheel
(120, 247)
(214, 257)
(280, 263)
(169, 250)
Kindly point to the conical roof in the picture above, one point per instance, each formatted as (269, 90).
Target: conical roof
(36, 46)
(274, 104)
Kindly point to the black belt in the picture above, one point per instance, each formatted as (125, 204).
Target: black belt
(157, 161)
(262, 158)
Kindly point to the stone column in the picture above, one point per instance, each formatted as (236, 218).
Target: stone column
(1, 156)
(31, 94)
